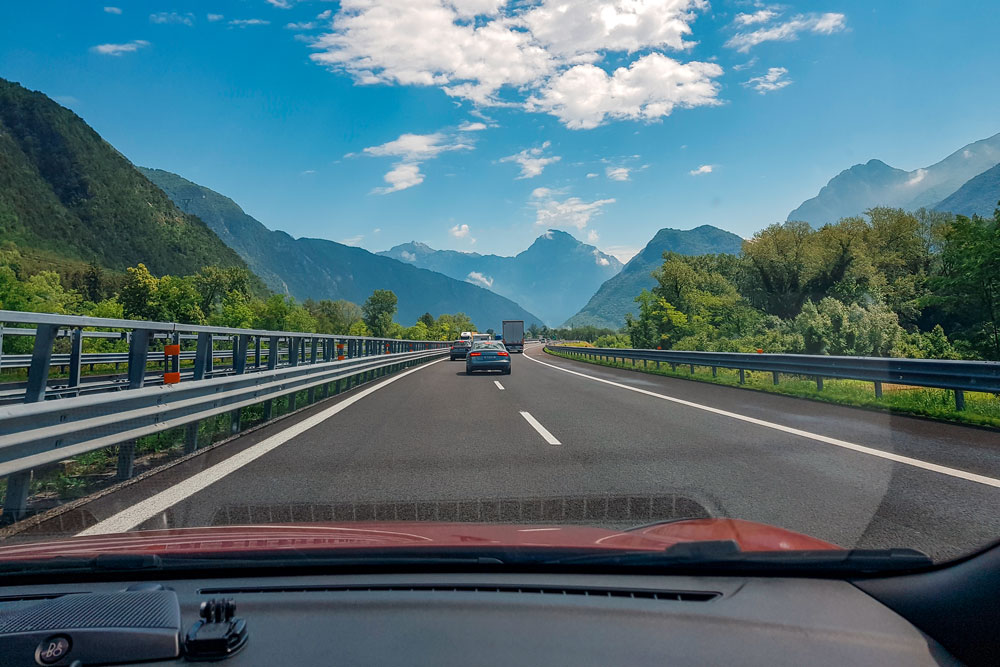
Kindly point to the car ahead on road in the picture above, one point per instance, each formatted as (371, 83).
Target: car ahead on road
(459, 349)
(490, 355)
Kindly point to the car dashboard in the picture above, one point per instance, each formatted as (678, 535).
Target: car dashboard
(502, 619)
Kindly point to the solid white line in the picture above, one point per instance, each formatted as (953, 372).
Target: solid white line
(499, 386)
(916, 463)
(142, 511)
(542, 431)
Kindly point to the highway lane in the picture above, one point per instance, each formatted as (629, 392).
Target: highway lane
(437, 444)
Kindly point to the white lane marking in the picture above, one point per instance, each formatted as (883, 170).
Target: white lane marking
(916, 463)
(142, 511)
(542, 431)
(499, 386)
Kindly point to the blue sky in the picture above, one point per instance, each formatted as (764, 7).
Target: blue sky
(476, 124)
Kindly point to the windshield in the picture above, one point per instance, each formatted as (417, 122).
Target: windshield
(579, 276)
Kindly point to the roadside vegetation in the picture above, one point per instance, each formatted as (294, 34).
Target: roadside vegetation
(981, 409)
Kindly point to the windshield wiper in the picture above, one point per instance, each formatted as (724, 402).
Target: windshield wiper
(118, 563)
(726, 555)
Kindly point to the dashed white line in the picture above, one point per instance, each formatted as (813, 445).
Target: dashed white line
(142, 511)
(499, 386)
(542, 431)
(916, 463)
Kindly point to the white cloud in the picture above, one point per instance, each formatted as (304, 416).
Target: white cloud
(532, 161)
(172, 17)
(354, 240)
(417, 147)
(822, 24)
(306, 172)
(408, 256)
(412, 150)
(760, 16)
(966, 153)
(543, 56)
(917, 176)
(592, 175)
(303, 25)
(477, 278)
(623, 252)
(584, 96)
(212, 18)
(243, 23)
(325, 14)
(747, 65)
(468, 126)
(570, 212)
(119, 49)
(617, 173)
(402, 176)
(113, 10)
(377, 230)
(601, 261)
(775, 79)
(592, 237)
(703, 169)
(460, 231)
(280, 4)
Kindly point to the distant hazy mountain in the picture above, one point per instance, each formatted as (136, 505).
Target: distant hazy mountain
(877, 184)
(68, 196)
(320, 269)
(616, 297)
(978, 196)
(554, 277)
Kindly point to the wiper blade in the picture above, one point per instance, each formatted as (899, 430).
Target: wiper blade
(112, 562)
(726, 555)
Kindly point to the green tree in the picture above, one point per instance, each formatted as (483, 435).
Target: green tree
(968, 284)
(333, 317)
(359, 329)
(428, 320)
(138, 294)
(379, 310)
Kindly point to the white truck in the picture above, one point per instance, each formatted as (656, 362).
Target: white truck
(513, 335)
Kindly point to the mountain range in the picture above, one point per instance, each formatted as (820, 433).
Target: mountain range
(67, 196)
(308, 268)
(616, 297)
(854, 190)
(553, 277)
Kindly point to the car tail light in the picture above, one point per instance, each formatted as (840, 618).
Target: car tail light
(502, 354)
(475, 354)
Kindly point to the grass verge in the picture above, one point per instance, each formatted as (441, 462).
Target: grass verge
(981, 409)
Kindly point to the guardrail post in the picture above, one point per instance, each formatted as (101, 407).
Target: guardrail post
(743, 379)
(774, 377)
(256, 352)
(959, 399)
(878, 389)
(75, 354)
(15, 504)
(312, 360)
(715, 371)
(692, 369)
(272, 363)
(819, 383)
(242, 343)
(203, 356)
(138, 356)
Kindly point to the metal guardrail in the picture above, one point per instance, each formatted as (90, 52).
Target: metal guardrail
(959, 376)
(66, 417)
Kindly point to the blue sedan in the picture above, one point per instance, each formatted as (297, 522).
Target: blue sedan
(487, 355)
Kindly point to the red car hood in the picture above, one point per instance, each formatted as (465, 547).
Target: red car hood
(748, 535)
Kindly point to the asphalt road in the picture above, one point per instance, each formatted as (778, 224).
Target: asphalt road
(436, 444)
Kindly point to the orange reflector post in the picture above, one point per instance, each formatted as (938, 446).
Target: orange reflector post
(171, 378)
(171, 350)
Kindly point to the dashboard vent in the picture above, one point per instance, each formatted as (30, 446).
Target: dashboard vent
(631, 593)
